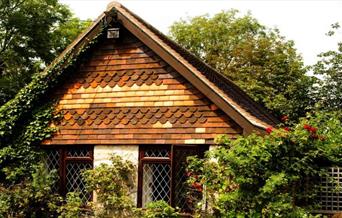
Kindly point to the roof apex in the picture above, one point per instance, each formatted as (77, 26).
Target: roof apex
(113, 4)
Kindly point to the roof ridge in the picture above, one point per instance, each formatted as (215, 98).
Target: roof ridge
(233, 87)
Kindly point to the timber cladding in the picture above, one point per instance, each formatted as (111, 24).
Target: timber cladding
(125, 94)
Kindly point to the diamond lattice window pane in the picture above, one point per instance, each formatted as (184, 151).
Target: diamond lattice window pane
(53, 159)
(79, 152)
(74, 181)
(330, 195)
(156, 183)
(157, 153)
(53, 163)
(181, 187)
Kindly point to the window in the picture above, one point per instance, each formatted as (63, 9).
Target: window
(162, 174)
(69, 163)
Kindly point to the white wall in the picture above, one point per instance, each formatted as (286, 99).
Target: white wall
(102, 154)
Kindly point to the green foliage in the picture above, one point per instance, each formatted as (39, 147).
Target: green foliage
(24, 124)
(259, 60)
(160, 209)
(32, 34)
(17, 157)
(272, 175)
(72, 206)
(14, 113)
(113, 185)
(32, 197)
(329, 67)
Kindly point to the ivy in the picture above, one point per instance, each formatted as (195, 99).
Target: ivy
(30, 96)
(24, 120)
(19, 156)
(24, 124)
(15, 112)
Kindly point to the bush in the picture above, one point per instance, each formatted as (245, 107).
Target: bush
(113, 186)
(33, 197)
(272, 175)
(160, 209)
(72, 206)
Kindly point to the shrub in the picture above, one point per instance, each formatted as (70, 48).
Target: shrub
(160, 209)
(30, 198)
(72, 206)
(272, 175)
(113, 186)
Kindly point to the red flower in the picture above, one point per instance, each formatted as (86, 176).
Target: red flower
(307, 127)
(196, 185)
(287, 129)
(284, 118)
(310, 128)
(269, 130)
(313, 130)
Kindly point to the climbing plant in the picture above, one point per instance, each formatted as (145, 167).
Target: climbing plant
(24, 120)
(25, 123)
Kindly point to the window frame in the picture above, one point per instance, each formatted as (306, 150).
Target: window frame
(170, 160)
(64, 160)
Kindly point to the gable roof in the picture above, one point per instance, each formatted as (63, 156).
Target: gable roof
(224, 93)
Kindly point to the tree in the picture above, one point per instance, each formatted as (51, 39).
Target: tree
(256, 58)
(329, 68)
(32, 34)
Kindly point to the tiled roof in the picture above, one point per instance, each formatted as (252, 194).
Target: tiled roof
(140, 66)
(221, 81)
(123, 93)
(258, 114)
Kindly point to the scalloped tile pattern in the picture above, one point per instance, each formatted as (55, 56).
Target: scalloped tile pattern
(123, 93)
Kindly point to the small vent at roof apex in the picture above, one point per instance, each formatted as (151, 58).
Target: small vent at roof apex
(113, 33)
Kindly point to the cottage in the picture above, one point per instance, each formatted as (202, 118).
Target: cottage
(140, 95)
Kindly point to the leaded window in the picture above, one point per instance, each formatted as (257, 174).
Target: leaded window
(156, 182)
(162, 174)
(70, 163)
(181, 195)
